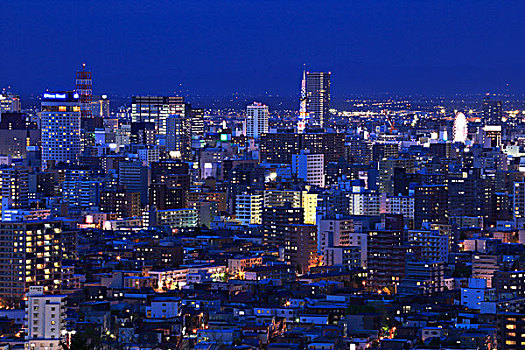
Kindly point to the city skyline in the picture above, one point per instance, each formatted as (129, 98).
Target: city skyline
(262, 175)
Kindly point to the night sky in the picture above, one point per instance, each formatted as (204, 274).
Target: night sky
(254, 47)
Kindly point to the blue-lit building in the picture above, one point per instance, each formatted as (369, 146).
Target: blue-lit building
(60, 123)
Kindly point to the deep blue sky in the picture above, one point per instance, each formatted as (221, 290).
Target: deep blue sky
(217, 47)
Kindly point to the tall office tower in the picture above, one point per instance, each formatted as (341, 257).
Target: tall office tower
(309, 167)
(178, 137)
(45, 317)
(197, 121)
(143, 133)
(156, 109)
(256, 120)
(163, 196)
(135, 177)
(14, 188)
(60, 124)
(303, 114)
(31, 255)
(88, 124)
(318, 97)
(9, 102)
(172, 172)
(492, 111)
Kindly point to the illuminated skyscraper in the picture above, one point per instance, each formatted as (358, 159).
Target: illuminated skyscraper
(256, 120)
(318, 97)
(303, 115)
(178, 136)
(492, 111)
(60, 124)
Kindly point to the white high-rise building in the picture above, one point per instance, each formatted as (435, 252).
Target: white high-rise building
(256, 120)
(248, 208)
(341, 233)
(45, 317)
(309, 167)
(60, 123)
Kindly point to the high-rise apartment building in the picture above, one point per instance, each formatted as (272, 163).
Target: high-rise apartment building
(431, 205)
(256, 120)
(300, 247)
(309, 167)
(277, 223)
(60, 124)
(31, 256)
(45, 317)
(248, 208)
(318, 97)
